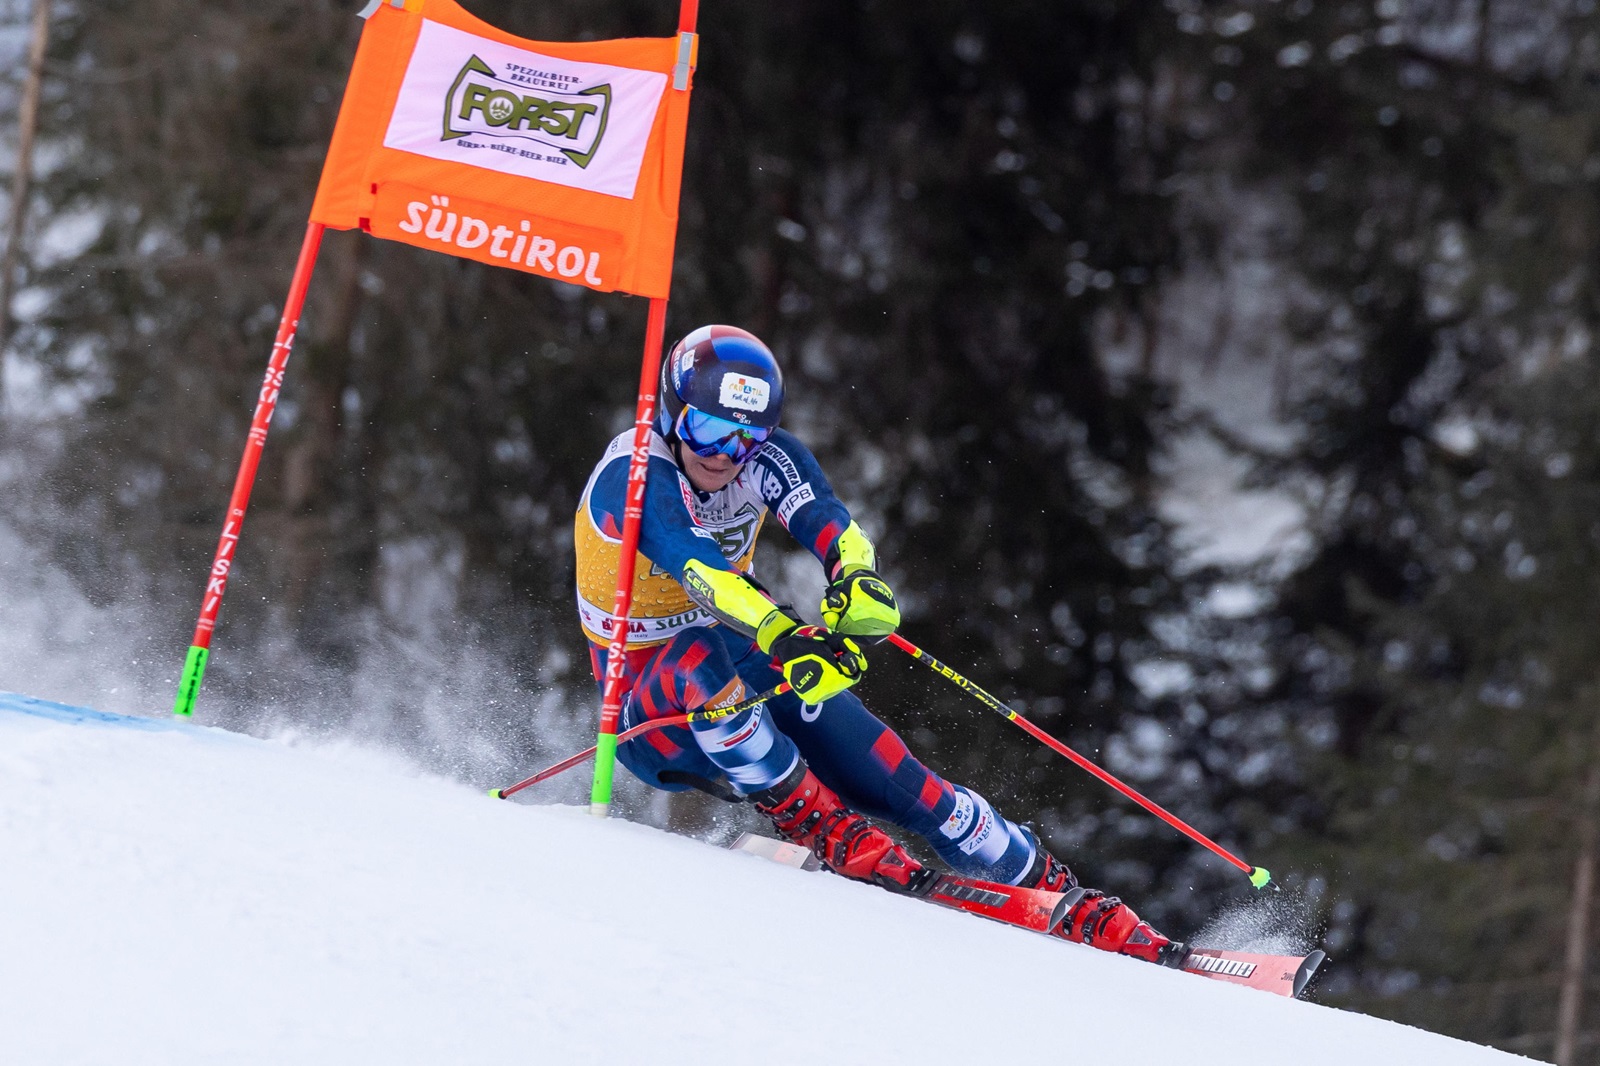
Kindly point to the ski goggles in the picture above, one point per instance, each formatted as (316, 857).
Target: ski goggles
(707, 435)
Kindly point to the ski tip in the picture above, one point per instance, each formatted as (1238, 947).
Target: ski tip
(1308, 970)
(494, 794)
(1261, 877)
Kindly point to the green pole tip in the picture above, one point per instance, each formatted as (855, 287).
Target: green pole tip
(194, 669)
(605, 756)
(1260, 877)
(494, 794)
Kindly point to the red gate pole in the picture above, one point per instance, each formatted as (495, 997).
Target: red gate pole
(632, 517)
(194, 666)
(638, 471)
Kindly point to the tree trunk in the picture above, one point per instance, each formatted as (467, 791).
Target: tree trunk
(1572, 976)
(27, 123)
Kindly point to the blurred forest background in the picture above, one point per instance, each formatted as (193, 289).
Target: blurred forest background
(1218, 380)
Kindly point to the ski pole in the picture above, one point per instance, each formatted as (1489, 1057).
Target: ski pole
(1259, 876)
(702, 715)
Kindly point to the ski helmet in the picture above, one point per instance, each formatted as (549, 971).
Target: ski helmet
(721, 392)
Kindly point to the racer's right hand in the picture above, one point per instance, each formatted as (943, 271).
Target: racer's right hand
(818, 664)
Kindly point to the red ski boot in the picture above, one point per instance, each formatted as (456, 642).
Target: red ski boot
(1047, 872)
(1105, 922)
(807, 812)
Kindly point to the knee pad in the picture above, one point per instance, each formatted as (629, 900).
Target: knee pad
(747, 748)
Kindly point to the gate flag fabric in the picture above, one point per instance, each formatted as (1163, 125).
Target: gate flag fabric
(559, 159)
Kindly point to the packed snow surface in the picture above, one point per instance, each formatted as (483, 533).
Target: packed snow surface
(176, 894)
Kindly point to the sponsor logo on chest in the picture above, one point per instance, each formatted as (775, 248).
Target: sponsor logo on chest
(734, 530)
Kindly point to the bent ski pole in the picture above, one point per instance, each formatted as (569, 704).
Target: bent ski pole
(702, 715)
(1259, 876)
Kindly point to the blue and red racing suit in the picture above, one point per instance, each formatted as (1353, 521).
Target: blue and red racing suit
(680, 657)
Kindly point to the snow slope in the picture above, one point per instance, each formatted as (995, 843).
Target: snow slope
(176, 894)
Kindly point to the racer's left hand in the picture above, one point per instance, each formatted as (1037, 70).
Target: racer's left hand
(861, 604)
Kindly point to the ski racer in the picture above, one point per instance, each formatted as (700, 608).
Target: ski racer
(703, 633)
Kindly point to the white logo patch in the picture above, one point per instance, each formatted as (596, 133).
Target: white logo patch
(959, 818)
(786, 465)
(744, 392)
(976, 841)
(793, 502)
(475, 100)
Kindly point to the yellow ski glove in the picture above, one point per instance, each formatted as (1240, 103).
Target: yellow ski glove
(861, 604)
(817, 664)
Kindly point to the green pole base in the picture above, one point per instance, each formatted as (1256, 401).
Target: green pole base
(494, 793)
(1260, 877)
(194, 671)
(605, 761)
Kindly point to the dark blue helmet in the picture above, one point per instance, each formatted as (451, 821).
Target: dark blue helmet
(724, 372)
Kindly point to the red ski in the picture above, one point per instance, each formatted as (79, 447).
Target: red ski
(1285, 975)
(779, 851)
(1040, 911)
(1026, 908)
